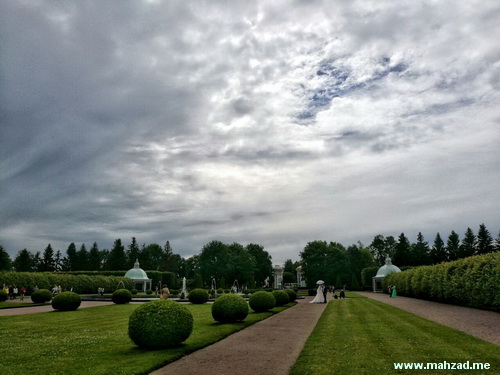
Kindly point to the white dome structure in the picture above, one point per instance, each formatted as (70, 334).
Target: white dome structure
(382, 272)
(138, 276)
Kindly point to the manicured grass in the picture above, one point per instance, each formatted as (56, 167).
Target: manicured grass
(95, 341)
(361, 336)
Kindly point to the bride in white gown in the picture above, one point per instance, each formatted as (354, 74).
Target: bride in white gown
(319, 295)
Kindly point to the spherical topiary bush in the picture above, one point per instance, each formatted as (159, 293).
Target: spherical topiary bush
(160, 324)
(121, 296)
(3, 295)
(41, 296)
(262, 301)
(292, 294)
(229, 308)
(281, 297)
(134, 291)
(66, 301)
(198, 296)
(149, 292)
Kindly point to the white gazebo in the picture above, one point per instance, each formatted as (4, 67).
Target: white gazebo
(138, 276)
(382, 273)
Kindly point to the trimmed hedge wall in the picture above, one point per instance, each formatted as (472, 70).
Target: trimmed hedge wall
(157, 277)
(81, 284)
(473, 282)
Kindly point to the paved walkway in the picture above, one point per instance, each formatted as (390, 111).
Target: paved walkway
(479, 323)
(269, 347)
(46, 308)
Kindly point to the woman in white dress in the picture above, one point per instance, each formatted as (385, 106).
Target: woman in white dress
(319, 295)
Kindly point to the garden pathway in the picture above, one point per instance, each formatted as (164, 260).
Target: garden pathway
(478, 323)
(269, 347)
(46, 308)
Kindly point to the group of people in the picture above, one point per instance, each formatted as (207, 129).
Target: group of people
(13, 291)
(322, 292)
(56, 289)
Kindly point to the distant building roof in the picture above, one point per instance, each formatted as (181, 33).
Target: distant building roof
(136, 273)
(387, 269)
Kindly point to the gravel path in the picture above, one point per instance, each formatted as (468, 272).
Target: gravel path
(478, 323)
(269, 347)
(47, 308)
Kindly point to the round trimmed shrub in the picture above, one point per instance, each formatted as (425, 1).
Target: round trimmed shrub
(262, 301)
(160, 324)
(198, 296)
(66, 301)
(149, 292)
(281, 297)
(134, 291)
(121, 296)
(3, 296)
(292, 294)
(41, 296)
(229, 308)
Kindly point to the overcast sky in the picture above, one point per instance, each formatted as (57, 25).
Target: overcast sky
(272, 122)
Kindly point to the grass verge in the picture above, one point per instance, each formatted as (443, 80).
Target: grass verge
(361, 336)
(95, 341)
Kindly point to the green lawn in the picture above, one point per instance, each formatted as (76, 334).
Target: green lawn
(362, 336)
(95, 341)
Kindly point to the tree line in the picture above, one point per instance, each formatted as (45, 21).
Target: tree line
(404, 253)
(151, 257)
(339, 266)
(251, 265)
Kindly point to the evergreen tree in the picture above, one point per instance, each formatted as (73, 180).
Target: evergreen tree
(497, 243)
(48, 263)
(402, 255)
(167, 262)
(132, 253)
(485, 243)
(94, 258)
(420, 252)
(468, 245)
(5, 261)
(453, 246)
(37, 262)
(24, 261)
(438, 251)
(70, 262)
(117, 260)
(58, 261)
(82, 256)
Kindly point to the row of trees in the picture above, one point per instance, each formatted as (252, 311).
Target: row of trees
(404, 253)
(151, 257)
(250, 265)
(335, 264)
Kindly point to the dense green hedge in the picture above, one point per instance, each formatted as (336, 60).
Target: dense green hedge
(158, 278)
(81, 284)
(473, 281)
